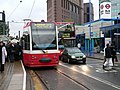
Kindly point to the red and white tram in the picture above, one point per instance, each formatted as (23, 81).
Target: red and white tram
(40, 44)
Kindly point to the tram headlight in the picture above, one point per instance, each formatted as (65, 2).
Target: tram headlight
(72, 56)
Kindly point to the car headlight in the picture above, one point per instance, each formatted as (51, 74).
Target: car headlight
(72, 56)
(84, 56)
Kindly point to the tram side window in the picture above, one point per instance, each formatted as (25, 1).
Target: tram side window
(26, 44)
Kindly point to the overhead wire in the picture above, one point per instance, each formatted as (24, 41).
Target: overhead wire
(31, 9)
(14, 10)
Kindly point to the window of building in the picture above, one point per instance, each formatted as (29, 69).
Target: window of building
(49, 4)
(61, 3)
(64, 3)
(87, 9)
(68, 5)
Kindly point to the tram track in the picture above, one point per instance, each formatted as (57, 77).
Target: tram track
(34, 82)
(44, 83)
(47, 84)
(72, 79)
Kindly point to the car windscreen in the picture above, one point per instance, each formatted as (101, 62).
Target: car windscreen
(73, 50)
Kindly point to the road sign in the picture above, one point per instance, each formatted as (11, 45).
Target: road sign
(91, 34)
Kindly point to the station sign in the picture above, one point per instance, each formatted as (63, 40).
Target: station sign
(105, 10)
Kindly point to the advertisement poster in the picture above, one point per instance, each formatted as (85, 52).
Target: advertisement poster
(107, 41)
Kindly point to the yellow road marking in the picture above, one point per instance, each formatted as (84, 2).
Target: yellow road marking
(36, 81)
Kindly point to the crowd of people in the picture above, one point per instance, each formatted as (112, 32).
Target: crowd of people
(109, 56)
(9, 53)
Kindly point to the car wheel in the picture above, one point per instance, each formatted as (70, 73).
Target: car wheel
(84, 62)
(68, 60)
(62, 59)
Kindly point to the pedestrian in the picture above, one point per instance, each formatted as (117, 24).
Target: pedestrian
(8, 53)
(3, 55)
(18, 51)
(113, 52)
(108, 57)
(104, 55)
(12, 52)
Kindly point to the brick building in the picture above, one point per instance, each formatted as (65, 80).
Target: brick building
(65, 10)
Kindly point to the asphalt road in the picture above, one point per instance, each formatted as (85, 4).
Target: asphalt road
(89, 76)
(92, 75)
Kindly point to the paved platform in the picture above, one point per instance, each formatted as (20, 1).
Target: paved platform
(13, 77)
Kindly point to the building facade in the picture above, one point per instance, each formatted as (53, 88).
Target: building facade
(65, 11)
(87, 12)
(102, 31)
(115, 9)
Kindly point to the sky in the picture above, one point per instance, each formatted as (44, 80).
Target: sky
(18, 10)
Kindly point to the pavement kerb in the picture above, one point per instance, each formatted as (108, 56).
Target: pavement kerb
(24, 76)
(99, 58)
(95, 58)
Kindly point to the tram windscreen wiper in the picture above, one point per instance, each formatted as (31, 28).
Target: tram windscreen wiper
(35, 47)
(42, 50)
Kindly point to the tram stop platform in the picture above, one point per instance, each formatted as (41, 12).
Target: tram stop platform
(13, 77)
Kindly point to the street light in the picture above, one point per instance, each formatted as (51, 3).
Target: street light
(90, 49)
(117, 30)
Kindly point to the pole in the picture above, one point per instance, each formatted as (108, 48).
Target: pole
(117, 35)
(90, 49)
(19, 34)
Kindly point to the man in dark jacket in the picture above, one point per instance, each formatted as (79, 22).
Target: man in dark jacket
(113, 52)
(107, 56)
(18, 51)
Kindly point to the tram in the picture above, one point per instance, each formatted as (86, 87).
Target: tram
(40, 44)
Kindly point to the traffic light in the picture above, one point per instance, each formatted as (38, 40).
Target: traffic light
(2, 16)
(2, 23)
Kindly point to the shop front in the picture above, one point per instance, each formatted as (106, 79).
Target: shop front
(111, 34)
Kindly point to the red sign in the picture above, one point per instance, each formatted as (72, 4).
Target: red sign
(107, 6)
(102, 6)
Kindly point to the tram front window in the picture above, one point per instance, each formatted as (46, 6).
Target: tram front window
(44, 39)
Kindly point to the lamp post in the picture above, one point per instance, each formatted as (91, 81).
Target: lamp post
(90, 49)
(117, 30)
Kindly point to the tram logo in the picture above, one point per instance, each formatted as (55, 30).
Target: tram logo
(107, 6)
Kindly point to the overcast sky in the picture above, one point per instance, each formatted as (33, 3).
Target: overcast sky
(16, 10)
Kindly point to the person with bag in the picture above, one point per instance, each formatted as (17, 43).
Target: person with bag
(108, 57)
